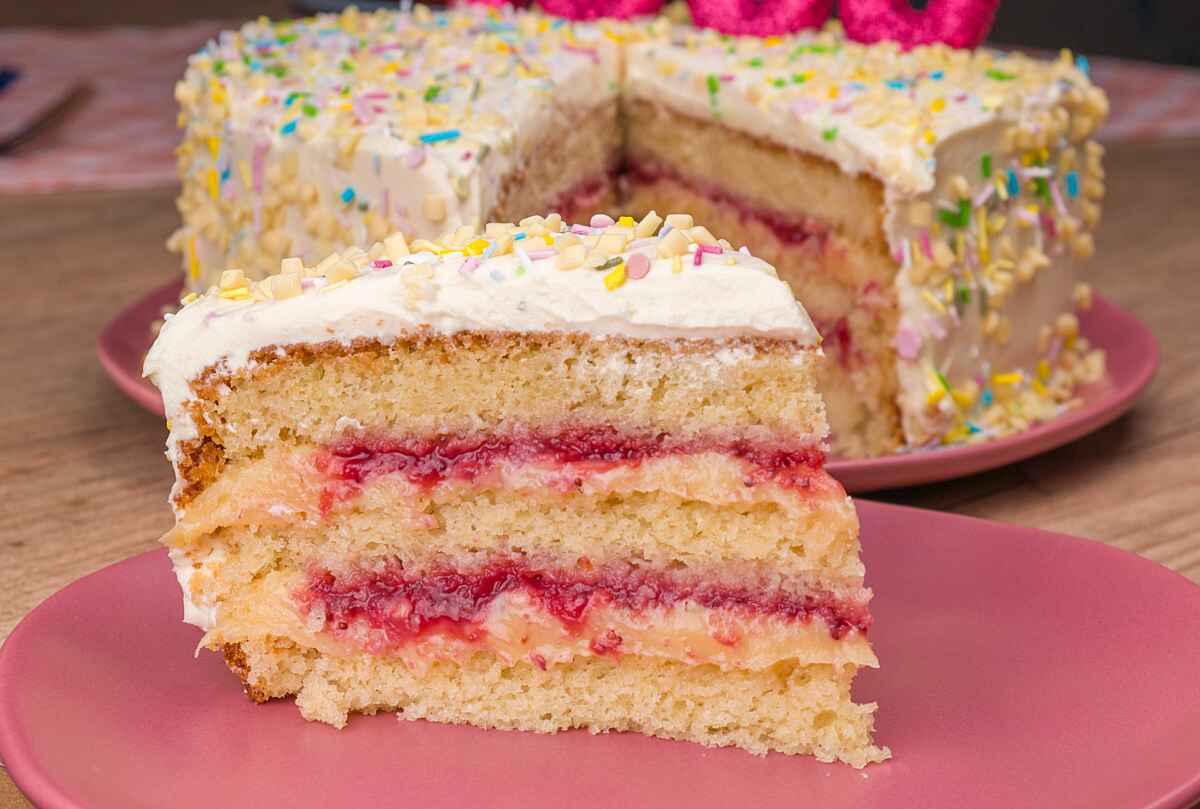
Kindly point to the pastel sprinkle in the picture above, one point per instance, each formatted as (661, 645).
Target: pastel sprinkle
(637, 266)
(288, 128)
(435, 137)
(830, 133)
(1072, 184)
(601, 220)
(616, 278)
(1014, 185)
(415, 157)
(907, 343)
(999, 75)
(348, 195)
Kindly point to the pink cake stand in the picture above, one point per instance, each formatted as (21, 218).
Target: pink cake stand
(1019, 668)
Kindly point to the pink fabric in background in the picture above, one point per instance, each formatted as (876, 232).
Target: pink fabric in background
(124, 136)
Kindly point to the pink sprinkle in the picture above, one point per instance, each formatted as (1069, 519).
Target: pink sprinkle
(727, 77)
(581, 230)
(375, 94)
(803, 106)
(260, 158)
(536, 255)
(698, 257)
(589, 52)
(380, 264)
(984, 195)
(907, 343)
(1048, 226)
(926, 247)
(636, 266)
(710, 248)
(1058, 200)
(386, 48)
(1055, 348)
(602, 220)
(935, 328)
(415, 157)
(469, 265)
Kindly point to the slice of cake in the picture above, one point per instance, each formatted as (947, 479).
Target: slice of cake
(534, 477)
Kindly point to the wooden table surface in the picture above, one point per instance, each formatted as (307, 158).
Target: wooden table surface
(84, 481)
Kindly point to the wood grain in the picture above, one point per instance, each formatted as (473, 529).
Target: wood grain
(84, 482)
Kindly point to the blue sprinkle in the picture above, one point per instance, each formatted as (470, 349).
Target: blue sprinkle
(557, 24)
(937, 75)
(288, 128)
(1081, 62)
(1014, 187)
(1072, 184)
(518, 237)
(973, 427)
(290, 100)
(445, 134)
(896, 84)
(348, 195)
(496, 275)
(856, 85)
(225, 174)
(986, 398)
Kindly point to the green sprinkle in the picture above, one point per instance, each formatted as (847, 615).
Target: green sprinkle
(796, 53)
(780, 82)
(612, 262)
(799, 78)
(818, 49)
(309, 110)
(1043, 189)
(999, 75)
(346, 65)
(956, 219)
(432, 92)
(219, 67)
(985, 165)
(475, 90)
(830, 133)
(714, 87)
(287, 39)
(278, 71)
(755, 62)
(942, 379)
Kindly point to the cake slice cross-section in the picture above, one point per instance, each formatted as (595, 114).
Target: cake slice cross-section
(536, 477)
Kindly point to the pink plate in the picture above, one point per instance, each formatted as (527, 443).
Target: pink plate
(1132, 360)
(1020, 668)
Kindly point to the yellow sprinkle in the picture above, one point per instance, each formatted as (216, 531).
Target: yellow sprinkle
(955, 435)
(1012, 378)
(193, 262)
(960, 246)
(948, 290)
(933, 302)
(833, 91)
(962, 398)
(218, 94)
(477, 247)
(1039, 387)
(936, 394)
(1001, 188)
(191, 297)
(614, 36)
(214, 183)
(214, 146)
(627, 222)
(929, 136)
(984, 253)
(235, 294)
(676, 264)
(615, 278)
(1043, 370)
(938, 105)
(168, 425)
(771, 41)
(244, 171)
(549, 240)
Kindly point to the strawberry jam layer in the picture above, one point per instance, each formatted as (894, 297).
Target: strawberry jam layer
(401, 607)
(794, 230)
(428, 461)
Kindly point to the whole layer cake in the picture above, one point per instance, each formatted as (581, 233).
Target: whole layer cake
(521, 481)
(931, 207)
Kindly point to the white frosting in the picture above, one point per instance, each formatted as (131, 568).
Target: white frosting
(203, 615)
(728, 295)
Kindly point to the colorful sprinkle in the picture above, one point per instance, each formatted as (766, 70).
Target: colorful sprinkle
(435, 137)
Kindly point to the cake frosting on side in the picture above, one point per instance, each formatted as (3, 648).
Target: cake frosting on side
(522, 477)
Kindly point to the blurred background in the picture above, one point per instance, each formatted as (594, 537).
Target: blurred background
(1153, 30)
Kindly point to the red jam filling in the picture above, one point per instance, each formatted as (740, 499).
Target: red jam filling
(406, 607)
(788, 229)
(427, 462)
